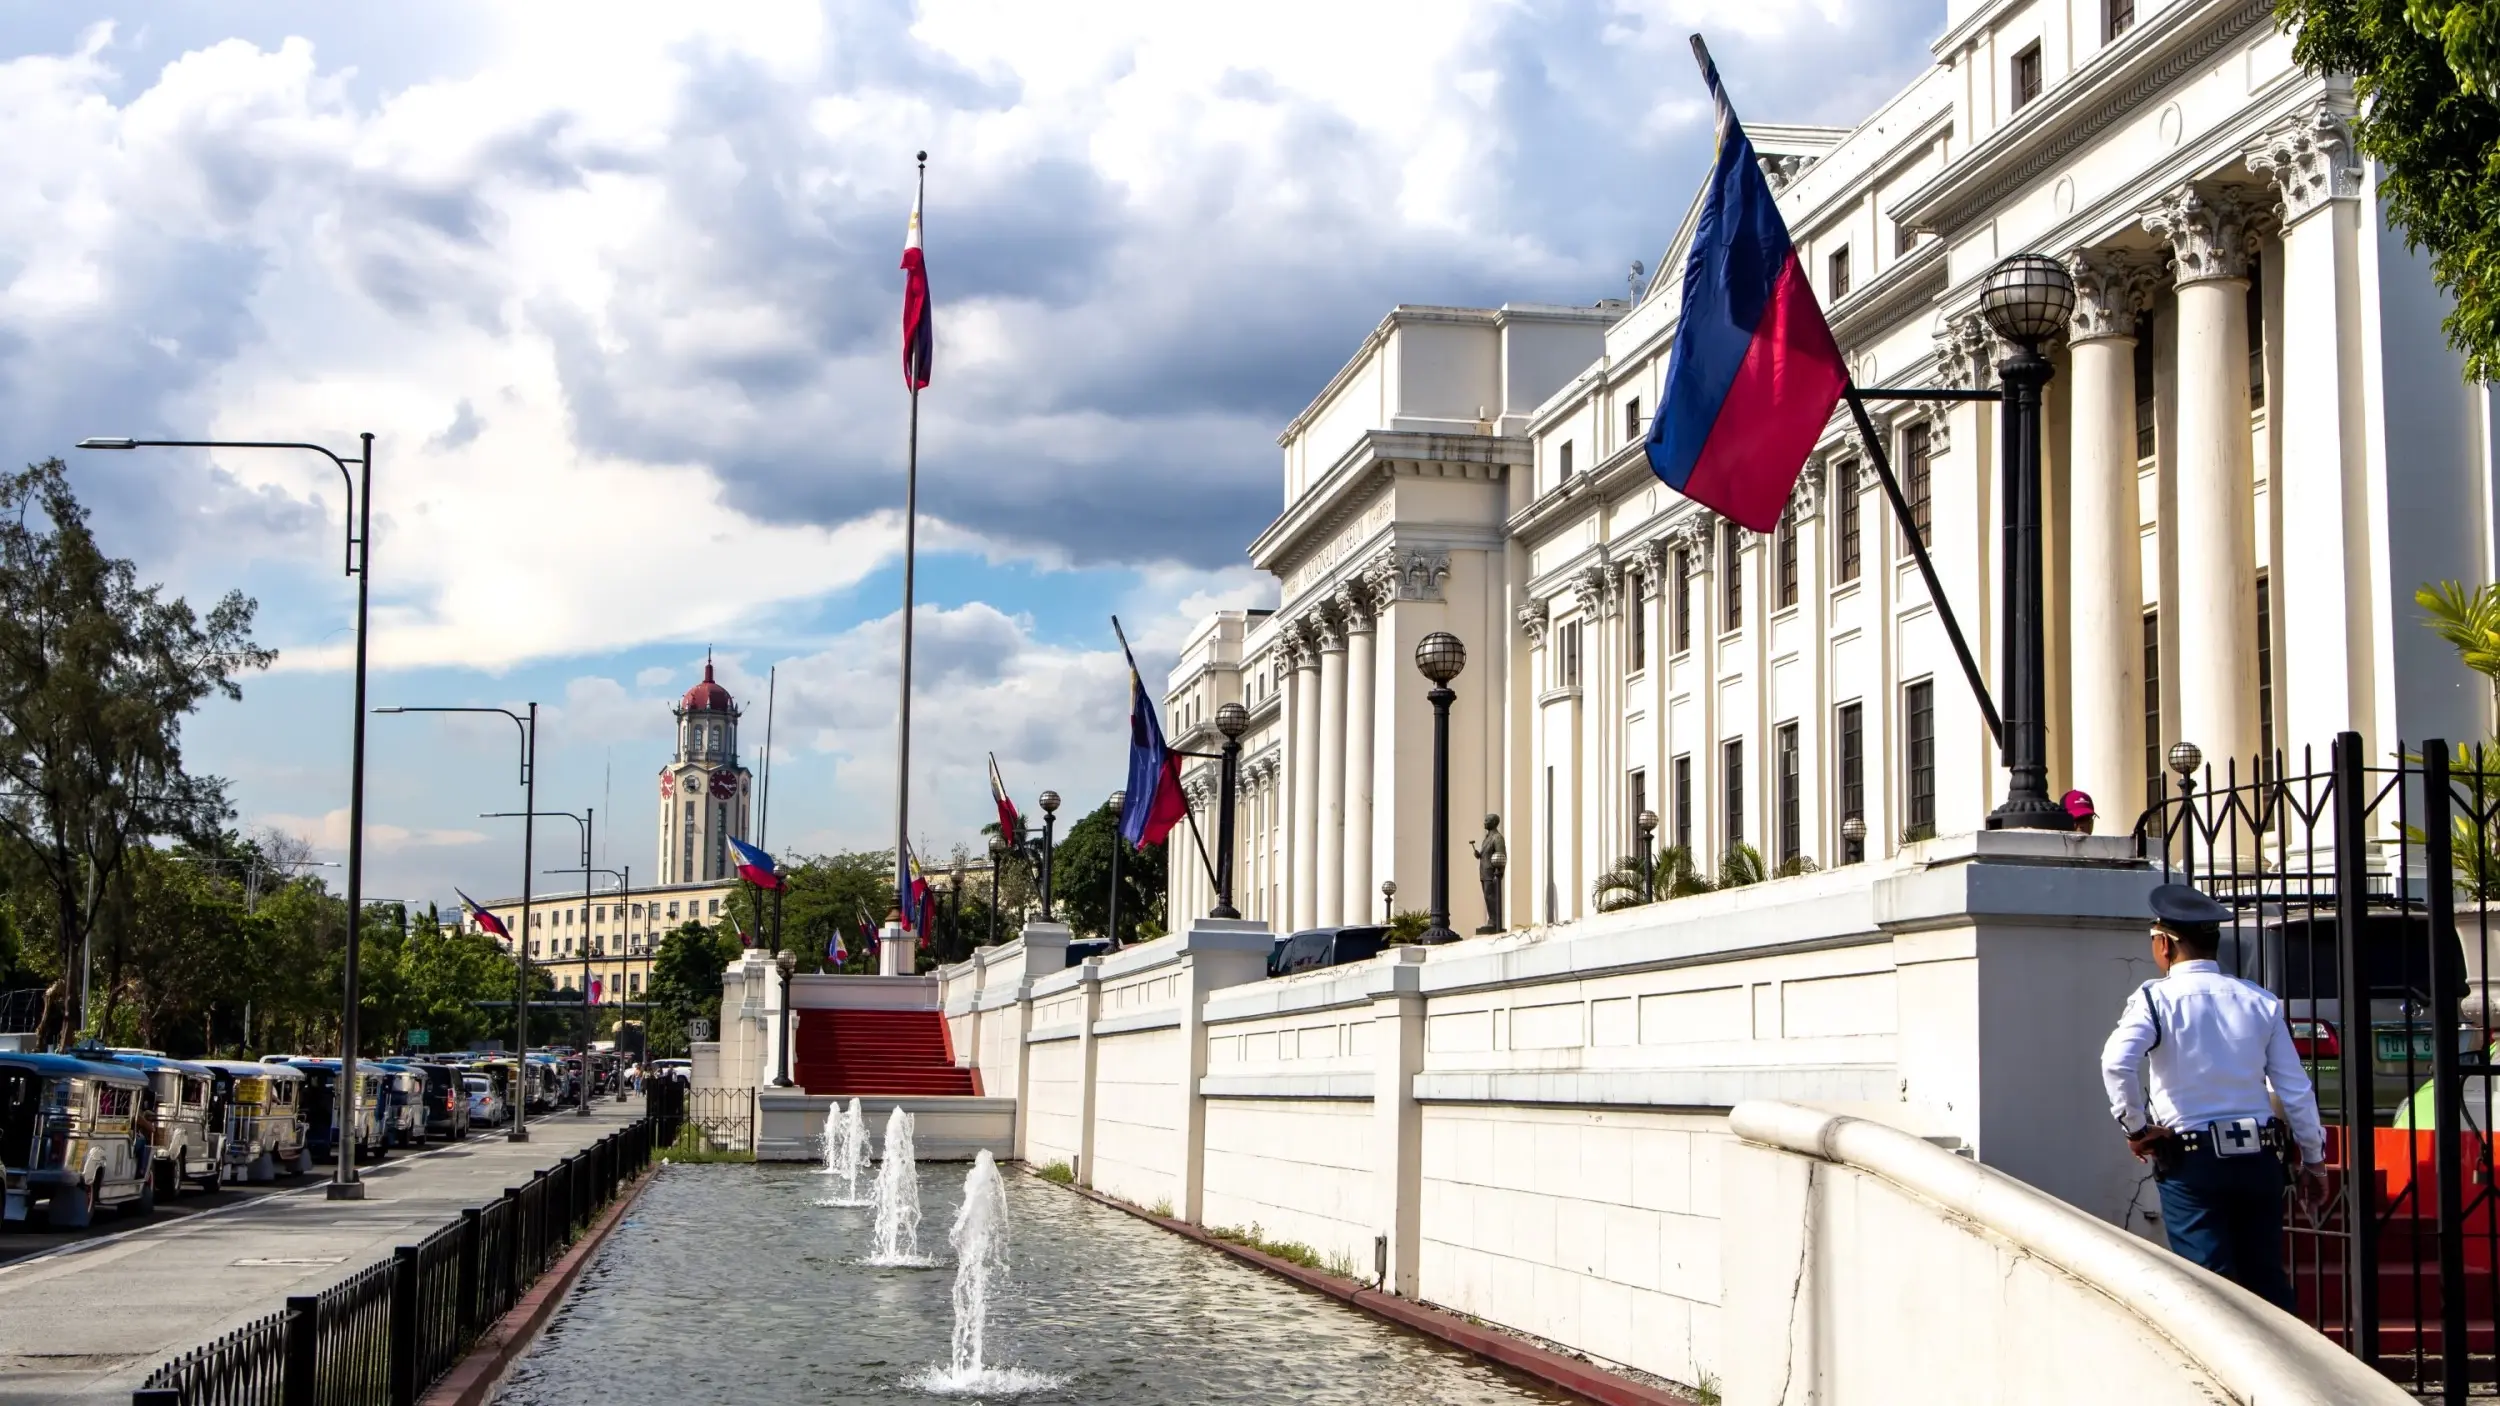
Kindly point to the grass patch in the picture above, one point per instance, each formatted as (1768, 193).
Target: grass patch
(1290, 1251)
(693, 1147)
(1340, 1264)
(1162, 1209)
(1706, 1392)
(1056, 1173)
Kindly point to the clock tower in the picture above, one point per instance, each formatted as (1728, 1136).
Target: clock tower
(705, 796)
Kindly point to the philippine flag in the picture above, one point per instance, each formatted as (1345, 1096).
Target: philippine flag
(755, 866)
(594, 990)
(1755, 372)
(834, 950)
(1153, 802)
(998, 797)
(918, 336)
(487, 922)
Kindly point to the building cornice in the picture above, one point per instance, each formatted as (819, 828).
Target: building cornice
(1495, 318)
(1379, 456)
(1914, 280)
(2168, 45)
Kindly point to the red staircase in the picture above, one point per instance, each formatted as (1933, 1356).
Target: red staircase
(878, 1052)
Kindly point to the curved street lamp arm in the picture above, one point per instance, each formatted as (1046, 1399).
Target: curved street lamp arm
(363, 461)
(517, 721)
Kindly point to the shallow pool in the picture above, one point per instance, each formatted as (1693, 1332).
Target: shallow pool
(729, 1284)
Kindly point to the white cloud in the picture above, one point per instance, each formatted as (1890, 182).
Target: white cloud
(327, 833)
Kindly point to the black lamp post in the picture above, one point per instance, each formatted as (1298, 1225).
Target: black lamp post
(344, 1183)
(1119, 842)
(520, 940)
(1388, 902)
(955, 915)
(1050, 820)
(1232, 720)
(998, 858)
(582, 1054)
(2185, 758)
(1853, 839)
(787, 964)
(1647, 823)
(2026, 300)
(1440, 656)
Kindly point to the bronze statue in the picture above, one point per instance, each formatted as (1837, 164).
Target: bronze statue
(1492, 856)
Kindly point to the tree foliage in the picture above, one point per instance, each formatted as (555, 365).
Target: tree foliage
(1080, 877)
(685, 983)
(2424, 71)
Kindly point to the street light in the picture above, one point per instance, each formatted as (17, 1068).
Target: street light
(1388, 902)
(582, 1055)
(344, 1183)
(1647, 823)
(2026, 300)
(788, 964)
(1853, 839)
(1050, 818)
(624, 898)
(1232, 720)
(1440, 656)
(2185, 758)
(1119, 841)
(520, 941)
(998, 856)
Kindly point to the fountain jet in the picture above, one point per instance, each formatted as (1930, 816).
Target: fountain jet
(897, 1197)
(846, 1152)
(980, 1240)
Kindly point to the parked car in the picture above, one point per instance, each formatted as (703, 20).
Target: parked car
(2295, 955)
(446, 1102)
(1325, 947)
(486, 1107)
(264, 1120)
(72, 1139)
(189, 1137)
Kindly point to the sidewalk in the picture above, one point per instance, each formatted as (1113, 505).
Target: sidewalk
(89, 1322)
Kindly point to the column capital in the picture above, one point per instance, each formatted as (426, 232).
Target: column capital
(2207, 228)
(1356, 601)
(1965, 353)
(1535, 618)
(1407, 573)
(2111, 287)
(1327, 627)
(1695, 534)
(2309, 160)
(1589, 584)
(1806, 499)
(1656, 556)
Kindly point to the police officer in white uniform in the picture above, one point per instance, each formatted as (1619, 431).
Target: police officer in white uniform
(2220, 1057)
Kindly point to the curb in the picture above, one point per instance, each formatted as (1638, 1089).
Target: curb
(479, 1371)
(1569, 1374)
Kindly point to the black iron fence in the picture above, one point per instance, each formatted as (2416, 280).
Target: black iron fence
(381, 1336)
(2363, 894)
(693, 1122)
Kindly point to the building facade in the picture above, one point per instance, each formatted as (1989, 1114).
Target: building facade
(2257, 445)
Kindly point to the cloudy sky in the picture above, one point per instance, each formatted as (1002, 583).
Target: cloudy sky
(614, 287)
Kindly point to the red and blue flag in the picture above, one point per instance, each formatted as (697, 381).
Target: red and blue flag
(486, 921)
(755, 866)
(919, 336)
(1755, 372)
(1153, 803)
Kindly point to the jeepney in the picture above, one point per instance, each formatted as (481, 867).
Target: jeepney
(501, 1076)
(190, 1132)
(72, 1139)
(321, 1092)
(402, 1089)
(264, 1120)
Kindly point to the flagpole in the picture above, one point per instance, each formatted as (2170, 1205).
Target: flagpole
(911, 524)
(764, 803)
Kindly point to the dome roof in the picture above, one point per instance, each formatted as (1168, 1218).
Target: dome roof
(707, 696)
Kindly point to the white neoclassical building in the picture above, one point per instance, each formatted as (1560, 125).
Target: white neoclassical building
(2257, 446)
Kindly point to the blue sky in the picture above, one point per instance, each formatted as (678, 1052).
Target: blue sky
(615, 286)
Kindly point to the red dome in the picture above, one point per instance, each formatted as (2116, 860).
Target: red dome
(707, 696)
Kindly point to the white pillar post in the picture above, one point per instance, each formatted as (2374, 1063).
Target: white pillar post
(1328, 841)
(2215, 544)
(2330, 683)
(1088, 1010)
(1397, 1120)
(2105, 683)
(1302, 754)
(1362, 669)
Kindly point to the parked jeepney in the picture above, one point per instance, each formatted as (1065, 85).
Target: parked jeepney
(446, 1101)
(264, 1120)
(403, 1101)
(73, 1138)
(321, 1093)
(190, 1131)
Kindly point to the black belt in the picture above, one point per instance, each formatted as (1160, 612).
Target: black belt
(2274, 1135)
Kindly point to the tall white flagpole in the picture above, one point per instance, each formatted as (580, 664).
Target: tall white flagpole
(911, 527)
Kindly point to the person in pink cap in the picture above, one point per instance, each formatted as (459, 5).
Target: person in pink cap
(2079, 805)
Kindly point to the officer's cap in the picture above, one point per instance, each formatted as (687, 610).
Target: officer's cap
(2186, 906)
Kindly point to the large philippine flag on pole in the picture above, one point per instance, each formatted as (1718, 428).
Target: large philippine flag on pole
(1755, 372)
(486, 920)
(754, 866)
(1152, 803)
(918, 337)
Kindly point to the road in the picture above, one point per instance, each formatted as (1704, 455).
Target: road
(86, 1318)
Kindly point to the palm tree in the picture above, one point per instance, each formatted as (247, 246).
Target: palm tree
(1741, 865)
(2469, 620)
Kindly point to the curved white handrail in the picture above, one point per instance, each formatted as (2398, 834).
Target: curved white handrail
(2255, 1351)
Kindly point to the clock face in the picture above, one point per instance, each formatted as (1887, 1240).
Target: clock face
(668, 785)
(724, 785)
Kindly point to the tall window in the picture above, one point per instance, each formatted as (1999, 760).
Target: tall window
(1567, 655)
(1637, 787)
(2117, 18)
(685, 834)
(1845, 520)
(2152, 709)
(1562, 460)
(1838, 281)
(1918, 718)
(1632, 420)
(2256, 333)
(1787, 542)
(1915, 486)
(1851, 744)
(1732, 768)
(1683, 601)
(1792, 835)
(2265, 671)
(2026, 76)
(2146, 437)
(1731, 577)
(1636, 627)
(1683, 801)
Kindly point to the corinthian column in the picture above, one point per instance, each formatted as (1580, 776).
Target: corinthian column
(2105, 683)
(2215, 541)
(1329, 839)
(1361, 666)
(1302, 833)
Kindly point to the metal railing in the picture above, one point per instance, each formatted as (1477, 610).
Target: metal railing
(384, 1334)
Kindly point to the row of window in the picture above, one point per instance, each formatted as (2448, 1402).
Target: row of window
(633, 984)
(592, 947)
(563, 917)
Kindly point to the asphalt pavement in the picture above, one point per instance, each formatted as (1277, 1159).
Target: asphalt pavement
(86, 1317)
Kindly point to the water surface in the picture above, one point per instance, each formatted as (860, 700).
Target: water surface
(728, 1284)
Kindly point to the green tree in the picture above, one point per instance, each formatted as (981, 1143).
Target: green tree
(1080, 877)
(97, 673)
(2424, 73)
(685, 983)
